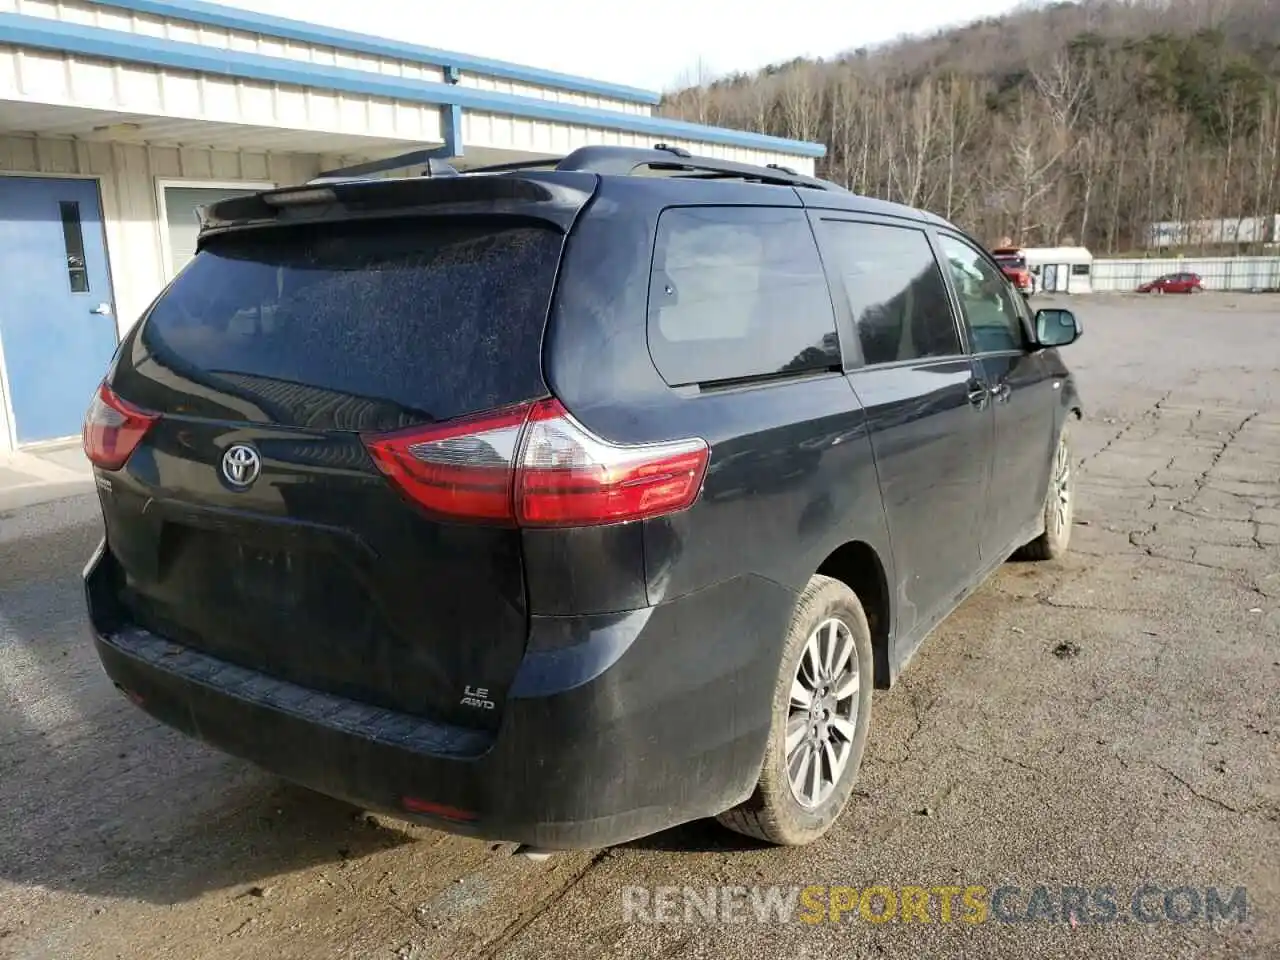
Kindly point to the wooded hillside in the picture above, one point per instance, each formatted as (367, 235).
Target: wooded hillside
(1059, 123)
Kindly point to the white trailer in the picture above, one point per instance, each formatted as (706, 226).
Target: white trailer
(1060, 269)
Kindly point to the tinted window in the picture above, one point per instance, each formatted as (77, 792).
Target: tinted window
(436, 319)
(73, 240)
(987, 298)
(738, 292)
(1079, 269)
(896, 292)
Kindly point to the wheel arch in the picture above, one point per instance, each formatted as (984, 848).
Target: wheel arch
(858, 566)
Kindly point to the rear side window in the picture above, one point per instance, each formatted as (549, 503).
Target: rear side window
(436, 318)
(897, 296)
(738, 292)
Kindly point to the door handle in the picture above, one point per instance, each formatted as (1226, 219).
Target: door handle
(102, 310)
(979, 394)
(1001, 392)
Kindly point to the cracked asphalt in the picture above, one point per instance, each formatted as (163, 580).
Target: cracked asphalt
(1109, 720)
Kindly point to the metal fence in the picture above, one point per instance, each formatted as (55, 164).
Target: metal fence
(1243, 274)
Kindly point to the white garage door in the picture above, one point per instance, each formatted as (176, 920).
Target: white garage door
(180, 205)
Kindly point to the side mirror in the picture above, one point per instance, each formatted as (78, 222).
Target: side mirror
(1057, 328)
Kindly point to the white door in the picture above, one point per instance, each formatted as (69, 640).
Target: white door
(181, 207)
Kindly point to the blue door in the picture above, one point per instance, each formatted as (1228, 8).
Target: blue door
(57, 315)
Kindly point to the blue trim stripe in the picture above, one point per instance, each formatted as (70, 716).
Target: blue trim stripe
(55, 35)
(216, 15)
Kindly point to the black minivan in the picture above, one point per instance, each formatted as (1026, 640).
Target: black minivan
(565, 502)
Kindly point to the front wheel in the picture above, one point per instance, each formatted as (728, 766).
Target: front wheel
(1059, 507)
(821, 715)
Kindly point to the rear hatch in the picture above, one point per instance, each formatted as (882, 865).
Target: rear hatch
(252, 521)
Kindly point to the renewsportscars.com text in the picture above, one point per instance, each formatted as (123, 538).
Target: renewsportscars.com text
(815, 904)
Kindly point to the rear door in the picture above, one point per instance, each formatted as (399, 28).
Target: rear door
(1023, 395)
(294, 343)
(928, 414)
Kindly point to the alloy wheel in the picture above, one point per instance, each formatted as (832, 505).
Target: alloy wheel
(1060, 489)
(823, 713)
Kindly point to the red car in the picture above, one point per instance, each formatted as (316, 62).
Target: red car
(1174, 283)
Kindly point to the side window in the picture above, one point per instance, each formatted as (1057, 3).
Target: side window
(738, 292)
(987, 299)
(895, 289)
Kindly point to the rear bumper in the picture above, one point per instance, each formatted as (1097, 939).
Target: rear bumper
(652, 718)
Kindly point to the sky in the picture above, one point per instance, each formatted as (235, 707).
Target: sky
(653, 44)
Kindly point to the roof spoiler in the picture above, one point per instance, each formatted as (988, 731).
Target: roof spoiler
(363, 199)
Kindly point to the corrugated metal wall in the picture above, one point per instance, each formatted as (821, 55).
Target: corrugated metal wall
(186, 31)
(1218, 273)
(525, 135)
(181, 106)
(128, 175)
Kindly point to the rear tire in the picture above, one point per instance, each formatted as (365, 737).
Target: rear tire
(822, 710)
(1059, 507)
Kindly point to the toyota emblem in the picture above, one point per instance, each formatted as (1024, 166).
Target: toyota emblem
(241, 465)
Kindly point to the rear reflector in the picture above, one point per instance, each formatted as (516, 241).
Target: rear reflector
(132, 695)
(113, 428)
(416, 805)
(534, 465)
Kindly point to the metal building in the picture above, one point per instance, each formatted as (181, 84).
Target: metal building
(119, 117)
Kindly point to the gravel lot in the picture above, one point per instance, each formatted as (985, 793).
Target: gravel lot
(1109, 720)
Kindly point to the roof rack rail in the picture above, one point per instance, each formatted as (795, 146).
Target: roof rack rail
(429, 158)
(609, 161)
(625, 161)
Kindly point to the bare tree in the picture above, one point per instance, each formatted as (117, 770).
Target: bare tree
(1092, 120)
(801, 103)
(1035, 149)
(914, 151)
(960, 118)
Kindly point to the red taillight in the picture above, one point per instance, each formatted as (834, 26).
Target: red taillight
(567, 477)
(113, 428)
(535, 465)
(464, 468)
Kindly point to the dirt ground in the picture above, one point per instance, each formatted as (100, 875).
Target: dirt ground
(1112, 719)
